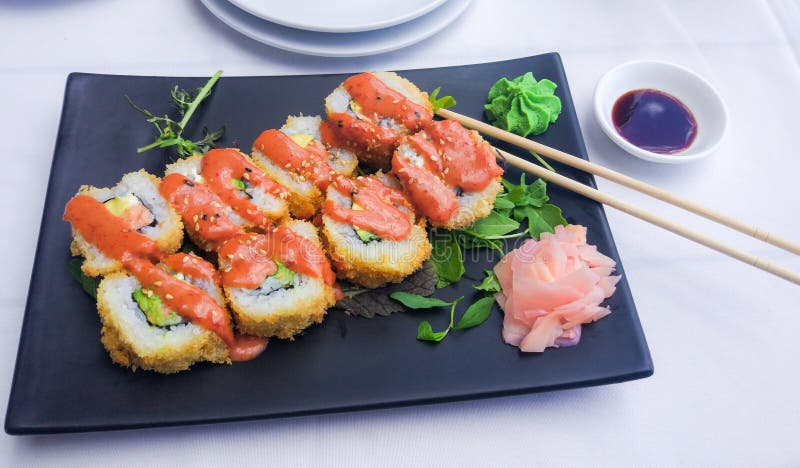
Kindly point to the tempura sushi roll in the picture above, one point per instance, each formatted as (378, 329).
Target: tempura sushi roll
(295, 158)
(306, 127)
(371, 234)
(450, 174)
(369, 112)
(137, 201)
(141, 331)
(230, 190)
(277, 283)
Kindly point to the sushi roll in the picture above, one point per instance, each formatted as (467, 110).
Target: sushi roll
(299, 128)
(369, 112)
(209, 222)
(137, 201)
(141, 331)
(225, 182)
(370, 232)
(450, 174)
(277, 283)
(295, 158)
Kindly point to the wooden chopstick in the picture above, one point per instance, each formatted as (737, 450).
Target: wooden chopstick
(645, 215)
(622, 179)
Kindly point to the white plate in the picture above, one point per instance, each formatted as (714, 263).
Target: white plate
(340, 16)
(690, 88)
(332, 44)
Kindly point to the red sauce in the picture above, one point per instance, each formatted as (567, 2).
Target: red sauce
(300, 254)
(310, 162)
(468, 163)
(221, 166)
(654, 121)
(202, 211)
(452, 157)
(245, 263)
(380, 215)
(369, 141)
(247, 260)
(378, 100)
(338, 293)
(111, 234)
(425, 185)
(193, 266)
(364, 135)
(246, 347)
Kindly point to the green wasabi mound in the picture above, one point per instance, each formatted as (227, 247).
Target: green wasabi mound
(523, 105)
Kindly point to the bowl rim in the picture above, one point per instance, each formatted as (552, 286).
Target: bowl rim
(689, 155)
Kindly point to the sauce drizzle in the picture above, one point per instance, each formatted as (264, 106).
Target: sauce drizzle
(223, 165)
(380, 214)
(137, 252)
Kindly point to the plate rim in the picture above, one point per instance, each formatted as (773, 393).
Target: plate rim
(273, 39)
(414, 14)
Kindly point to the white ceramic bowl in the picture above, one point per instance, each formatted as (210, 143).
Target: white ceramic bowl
(690, 88)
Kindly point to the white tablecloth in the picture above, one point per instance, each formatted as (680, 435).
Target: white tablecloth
(723, 335)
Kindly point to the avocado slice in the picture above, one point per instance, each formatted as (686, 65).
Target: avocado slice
(283, 274)
(154, 310)
(366, 236)
(118, 205)
(238, 183)
(302, 139)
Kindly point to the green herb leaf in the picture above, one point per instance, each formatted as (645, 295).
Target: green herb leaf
(447, 258)
(442, 103)
(170, 132)
(493, 225)
(415, 301)
(534, 194)
(490, 283)
(501, 203)
(426, 333)
(88, 283)
(540, 220)
(476, 314)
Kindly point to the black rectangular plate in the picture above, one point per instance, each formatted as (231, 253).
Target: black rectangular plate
(65, 382)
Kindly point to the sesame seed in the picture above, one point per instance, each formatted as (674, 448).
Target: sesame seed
(157, 283)
(168, 296)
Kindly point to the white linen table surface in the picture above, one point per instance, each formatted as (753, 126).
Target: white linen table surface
(723, 335)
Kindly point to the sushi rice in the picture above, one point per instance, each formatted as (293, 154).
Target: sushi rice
(166, 229)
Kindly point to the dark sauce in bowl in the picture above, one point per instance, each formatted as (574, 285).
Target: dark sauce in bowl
(654, 121)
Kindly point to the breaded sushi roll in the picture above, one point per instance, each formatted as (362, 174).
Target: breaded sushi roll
(141, 331)
(295, 158)
(371, 234)
(209, 222)
(137, 201)
(369, 112)
(277, 283)
(450, 174)
(248, 197)
(304, 128)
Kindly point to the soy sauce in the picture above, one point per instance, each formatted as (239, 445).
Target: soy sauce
(654, 121)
